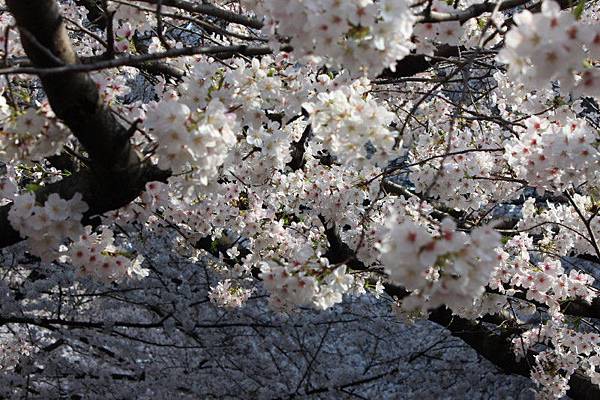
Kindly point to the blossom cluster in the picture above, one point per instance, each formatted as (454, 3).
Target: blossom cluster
(560, 226)
(570, 350)
(347, 120)
(544, 281)
(228, 295)
(249, 89)
(110, 87)
(439, 32)
(46, 227)
(274, 145)
(312, 283)
(554, 155)
(30, 135)
(361, 35)
(553, 45)
(268, 84)
(441, 266)
(95, 255)
(515, 97)
(192, 140)
(455, 178)
(136, 14)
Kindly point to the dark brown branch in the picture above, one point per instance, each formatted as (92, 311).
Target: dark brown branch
(495, 347)
(498, 349)
(298, 149)
(95, 12)
(118, 173)
(338, 251)
(156, 67)
(73, 96)
(472, 11)
(210, 10)
(416, 63)
(98, 192)
(137, 60)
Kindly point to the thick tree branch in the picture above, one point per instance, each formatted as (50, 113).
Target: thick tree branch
(73, 96)
(118, 173)
(298, 149)
(472, 11)
(498, 349)
(98, 192)
(495, 347)
(416, 63)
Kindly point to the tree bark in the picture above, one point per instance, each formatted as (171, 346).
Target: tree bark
(117, 173)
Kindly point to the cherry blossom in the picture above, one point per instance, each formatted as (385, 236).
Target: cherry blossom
(258, 160)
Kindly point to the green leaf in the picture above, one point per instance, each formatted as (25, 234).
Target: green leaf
(214, 246)
(359, 32)
(481, 23)
(32, 187)
(578, 10)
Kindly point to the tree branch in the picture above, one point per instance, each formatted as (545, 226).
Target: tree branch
(118, 173)
(497, 348)
(137, 60)
(210, 10)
